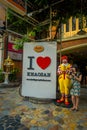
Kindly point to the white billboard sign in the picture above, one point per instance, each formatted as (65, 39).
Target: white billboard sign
(39, 70)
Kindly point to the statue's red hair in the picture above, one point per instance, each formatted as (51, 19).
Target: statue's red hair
(64, 57)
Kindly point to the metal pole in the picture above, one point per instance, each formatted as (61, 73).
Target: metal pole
(50, 22)
(60, 41)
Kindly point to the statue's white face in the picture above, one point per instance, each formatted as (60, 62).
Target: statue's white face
(64, 61)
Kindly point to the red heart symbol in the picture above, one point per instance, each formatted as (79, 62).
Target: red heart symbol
(43, 62)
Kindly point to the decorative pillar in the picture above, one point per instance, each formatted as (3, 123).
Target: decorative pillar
(8, 66)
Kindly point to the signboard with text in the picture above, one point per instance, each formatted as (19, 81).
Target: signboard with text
(12, 52)
(39, 70)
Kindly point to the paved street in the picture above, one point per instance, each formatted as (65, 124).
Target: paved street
(19, 113)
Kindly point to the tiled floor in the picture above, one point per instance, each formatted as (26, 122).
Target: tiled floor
(18, 113)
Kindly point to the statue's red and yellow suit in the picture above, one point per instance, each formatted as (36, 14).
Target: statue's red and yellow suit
(64, 70)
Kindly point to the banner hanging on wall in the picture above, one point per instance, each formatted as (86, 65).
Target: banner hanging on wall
(39, 70)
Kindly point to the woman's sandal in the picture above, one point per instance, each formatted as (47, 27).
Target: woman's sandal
(76, 109)
(73, 109)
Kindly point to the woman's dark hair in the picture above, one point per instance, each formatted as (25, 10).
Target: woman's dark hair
(75, 66)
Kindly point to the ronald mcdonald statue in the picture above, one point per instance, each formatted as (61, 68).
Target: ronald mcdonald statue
(64, 70)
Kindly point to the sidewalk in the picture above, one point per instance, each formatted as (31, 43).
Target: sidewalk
(18, 113)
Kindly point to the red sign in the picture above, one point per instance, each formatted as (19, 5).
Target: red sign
(13, 53)
(11, 48)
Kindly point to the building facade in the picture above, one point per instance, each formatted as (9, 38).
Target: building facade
(73, 43)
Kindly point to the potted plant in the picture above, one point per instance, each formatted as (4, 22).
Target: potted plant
(1, 76)
(19, 42)
(30, 36)
(34, 32)
(13, 75)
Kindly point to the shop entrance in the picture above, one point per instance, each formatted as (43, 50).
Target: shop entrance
(78, 55)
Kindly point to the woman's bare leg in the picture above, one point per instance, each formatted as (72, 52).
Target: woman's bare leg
(77, 102)
(74, 102)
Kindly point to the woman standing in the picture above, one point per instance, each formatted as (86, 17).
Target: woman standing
(76, 78)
